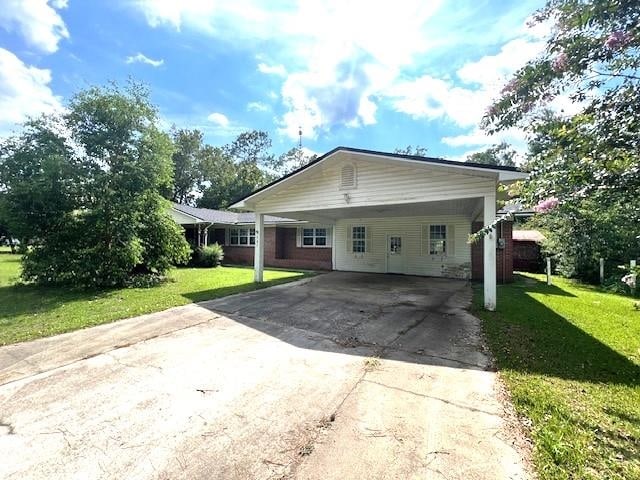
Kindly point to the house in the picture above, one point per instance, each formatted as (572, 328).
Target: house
(386, 212)
(286, 245)
(527, 254)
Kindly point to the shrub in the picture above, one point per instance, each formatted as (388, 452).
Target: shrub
(207, 257)
(85, 188)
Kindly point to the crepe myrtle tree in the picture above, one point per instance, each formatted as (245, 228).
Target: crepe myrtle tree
(593, 58)
(583, 167)
(85, 188)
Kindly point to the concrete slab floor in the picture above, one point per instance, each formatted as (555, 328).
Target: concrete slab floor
(343, 376)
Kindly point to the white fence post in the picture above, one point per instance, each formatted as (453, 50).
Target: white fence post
(601, 270)
(548, 270)
(632, 265)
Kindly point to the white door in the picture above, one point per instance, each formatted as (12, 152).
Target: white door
(395, 254)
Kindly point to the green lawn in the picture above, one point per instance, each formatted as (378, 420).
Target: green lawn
(28, 311)
(570, 355)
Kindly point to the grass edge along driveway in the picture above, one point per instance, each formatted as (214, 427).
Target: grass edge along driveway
(570, 356)
(28, 312)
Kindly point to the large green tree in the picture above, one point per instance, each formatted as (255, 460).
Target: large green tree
(85, 188)
(501, 154)
(235, 170)
(585, 169)
(290, 160)
(187, 165)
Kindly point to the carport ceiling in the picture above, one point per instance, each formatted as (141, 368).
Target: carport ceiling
(466, 207)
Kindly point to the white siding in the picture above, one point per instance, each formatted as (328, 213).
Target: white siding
(417, 262)
(182, 219)
(377, 183)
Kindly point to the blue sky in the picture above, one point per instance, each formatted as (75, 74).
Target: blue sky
(366, 74)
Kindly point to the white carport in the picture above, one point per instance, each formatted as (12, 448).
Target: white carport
(389, 212)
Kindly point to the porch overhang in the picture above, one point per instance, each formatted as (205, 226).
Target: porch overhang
(387, 186)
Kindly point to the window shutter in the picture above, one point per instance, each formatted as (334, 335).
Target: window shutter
(349, 239)
(425, 240)
(367, 244)
(226, 236)
(329, 236)
(299, 237)
(451, 240)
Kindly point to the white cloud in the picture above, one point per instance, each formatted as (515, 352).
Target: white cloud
(37, 21)
(219, 119)
(24, 91)
(339, 61)
(463, 100)
(272, 69)
(141, 58)
(322, 51)
(258, 107)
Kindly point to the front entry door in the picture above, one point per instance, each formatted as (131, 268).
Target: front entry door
(395, 254)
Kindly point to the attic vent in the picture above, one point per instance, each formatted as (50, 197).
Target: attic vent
(348, 177)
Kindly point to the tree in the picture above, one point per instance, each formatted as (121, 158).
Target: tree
(235, 170)
(250, 147)
(583, 167)
(5, 233)
(187, 159)
(219, 174)
(499, 155)
(592, 57)
(416, 151)
(291, 160)
(84, 187)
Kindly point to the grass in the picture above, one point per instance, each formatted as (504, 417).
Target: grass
(28, 311)
(570, 356)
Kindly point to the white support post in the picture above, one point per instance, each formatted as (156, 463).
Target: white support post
(632, 266)
(548, 270)
(258, 262)
(199, 242)
(490, 254)
(601, 270)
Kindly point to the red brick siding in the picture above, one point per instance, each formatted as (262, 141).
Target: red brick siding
(504, 257)
(280, 250)
(527, 257)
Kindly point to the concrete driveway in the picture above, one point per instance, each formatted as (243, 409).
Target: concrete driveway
(342, 376)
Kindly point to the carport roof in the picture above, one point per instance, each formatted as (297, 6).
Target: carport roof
(209, 215)
(504, 173)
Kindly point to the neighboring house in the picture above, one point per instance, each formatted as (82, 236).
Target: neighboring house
(288, 243)
(393, 213)
(527, 254)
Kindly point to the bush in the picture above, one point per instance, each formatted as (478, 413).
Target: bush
(207, 257)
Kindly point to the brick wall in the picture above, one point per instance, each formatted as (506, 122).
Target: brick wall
(280, 250)
(504, 257)
(527, 257)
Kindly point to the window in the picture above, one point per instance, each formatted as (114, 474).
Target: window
(359, 239)
(437, 239)
(242, 236)
(314, 237)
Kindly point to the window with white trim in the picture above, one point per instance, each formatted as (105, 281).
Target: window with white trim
(437, 239)
(314, 237)
(242, 237)
(359, 239)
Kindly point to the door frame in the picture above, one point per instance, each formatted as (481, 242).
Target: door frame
(403, 246)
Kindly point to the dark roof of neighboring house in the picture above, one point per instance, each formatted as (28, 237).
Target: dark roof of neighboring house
(527, 236)
(433, 160)
(221, 216)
